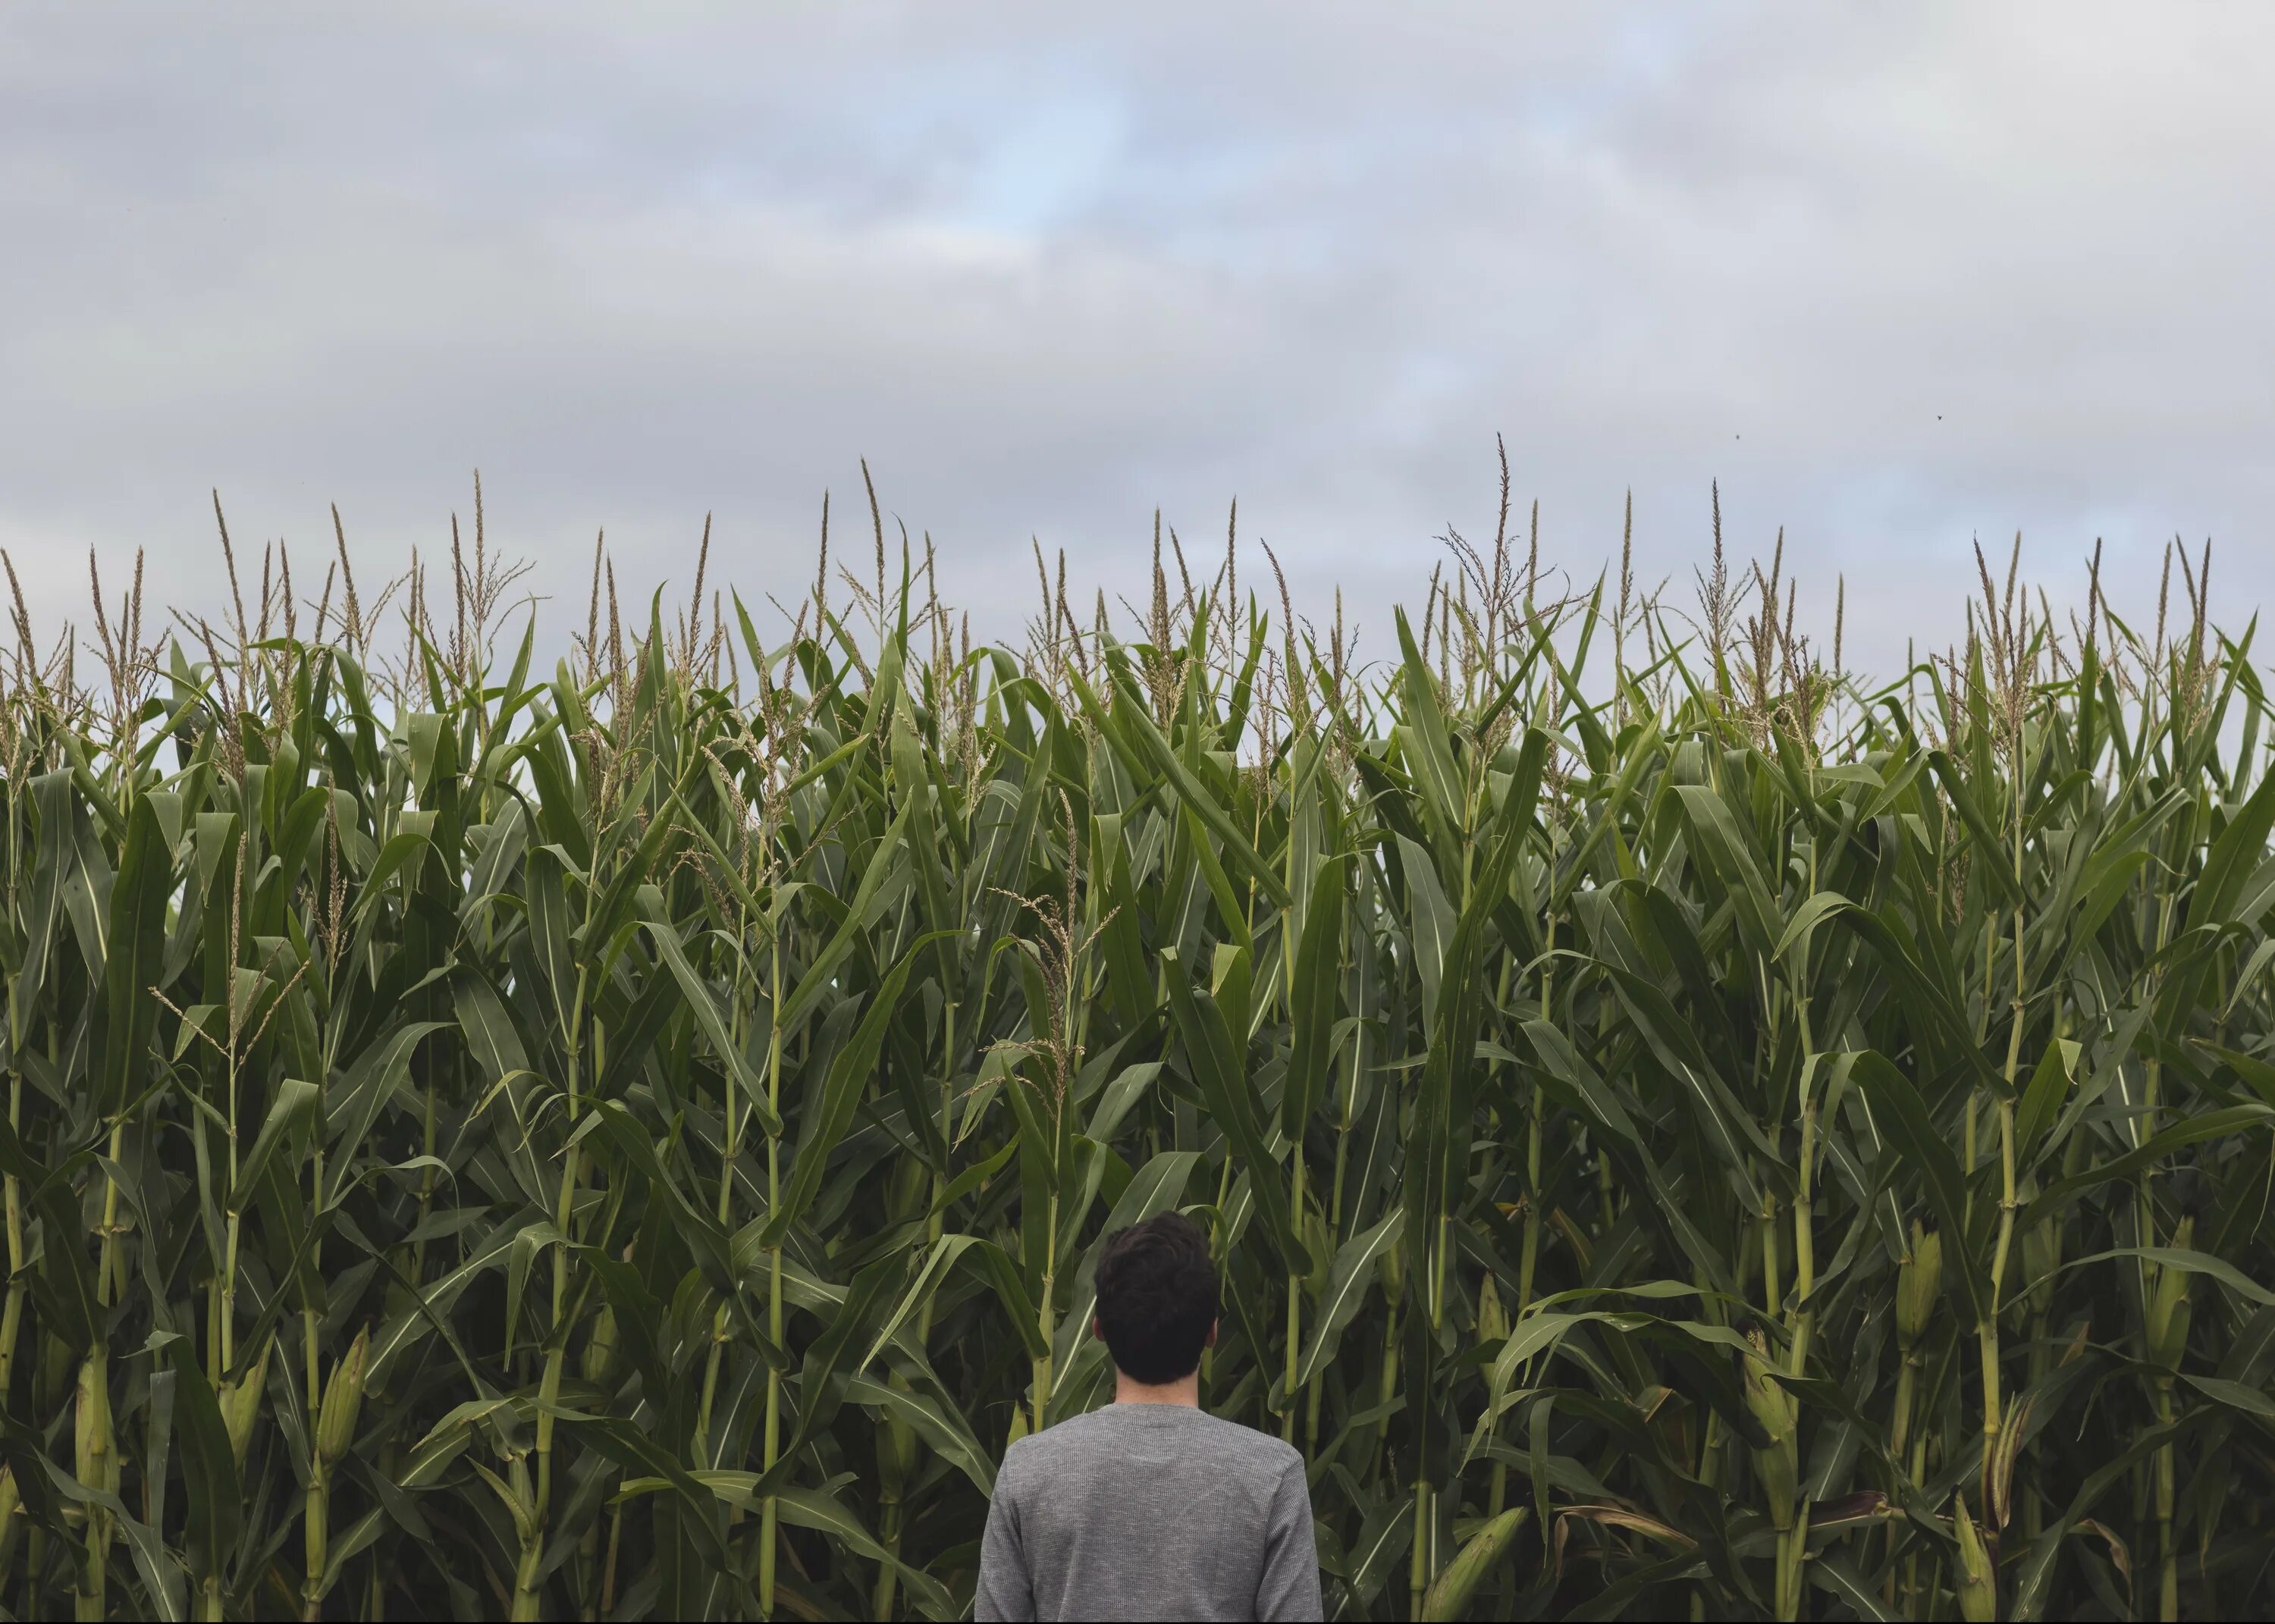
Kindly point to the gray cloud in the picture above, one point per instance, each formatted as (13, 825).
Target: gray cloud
(1895, 276)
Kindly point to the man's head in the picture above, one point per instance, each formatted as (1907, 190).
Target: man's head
(1157, 1298)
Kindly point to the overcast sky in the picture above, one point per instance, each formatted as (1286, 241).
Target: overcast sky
(1897, 274)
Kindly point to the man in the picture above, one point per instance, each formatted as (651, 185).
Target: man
(1148, 1508)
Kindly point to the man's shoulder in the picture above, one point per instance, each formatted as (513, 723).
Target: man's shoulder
(1266, 1453)
(1075, 1435)
(1107, 1430)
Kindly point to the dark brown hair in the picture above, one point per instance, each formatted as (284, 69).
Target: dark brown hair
(1157, 1297)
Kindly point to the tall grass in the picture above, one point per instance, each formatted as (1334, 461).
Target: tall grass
(1684, 1133)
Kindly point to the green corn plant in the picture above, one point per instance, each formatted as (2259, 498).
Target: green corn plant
(1685, 1129)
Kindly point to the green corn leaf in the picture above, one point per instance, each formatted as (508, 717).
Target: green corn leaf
(823, 970)
(214, 1500)
(292, 1112)
(1349, 1279)
(832, 1113)
(2188, 1261)
(1920, 1148)
(2044, 1095)
(941, 1429)
(1149, 747)
(51, 872)
(2215, 1124)
(702, 1004)
(136, 946)
(1430, 751)
(1319, 965)
(1213, 1051)
(2240, 848)
(2233, 1395)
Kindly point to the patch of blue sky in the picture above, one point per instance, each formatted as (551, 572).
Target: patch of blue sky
(1055, 162)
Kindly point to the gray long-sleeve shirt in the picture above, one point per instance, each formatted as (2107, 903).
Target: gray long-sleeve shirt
(1149, 1511)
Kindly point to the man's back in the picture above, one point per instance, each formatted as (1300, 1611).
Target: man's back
(1150, 1511)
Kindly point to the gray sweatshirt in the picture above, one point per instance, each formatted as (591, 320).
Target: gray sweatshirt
(1149, 1511)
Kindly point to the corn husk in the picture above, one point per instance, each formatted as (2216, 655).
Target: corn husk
(1976, 1581)
(336, 1422)
(1919, 1282)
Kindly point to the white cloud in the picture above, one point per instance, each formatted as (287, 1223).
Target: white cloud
(1896, 276)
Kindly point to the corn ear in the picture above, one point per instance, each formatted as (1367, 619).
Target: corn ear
(95, 1448)
(1976, 1581)
(2169, 1309)
(1448, 1594)
(335, 1423)
(1919, 1282)
(1492, 1321)
(240, 1402)
(598, 1362)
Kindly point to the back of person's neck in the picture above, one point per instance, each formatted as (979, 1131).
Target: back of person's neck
(1185, 1391)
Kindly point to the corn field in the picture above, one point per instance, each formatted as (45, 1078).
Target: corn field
(1686, 1132)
